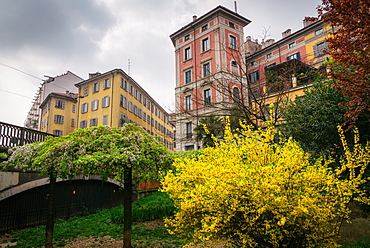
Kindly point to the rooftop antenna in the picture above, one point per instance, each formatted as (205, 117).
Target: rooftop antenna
(129, 67)
(236, 7)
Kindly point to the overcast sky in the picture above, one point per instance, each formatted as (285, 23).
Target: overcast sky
(50, 37)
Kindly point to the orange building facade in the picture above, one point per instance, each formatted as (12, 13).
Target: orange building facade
(295, 58)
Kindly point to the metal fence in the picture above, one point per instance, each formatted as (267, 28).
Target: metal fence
(74, 197)
(11, 135)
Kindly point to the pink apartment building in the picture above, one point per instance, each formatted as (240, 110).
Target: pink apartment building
(205, 51)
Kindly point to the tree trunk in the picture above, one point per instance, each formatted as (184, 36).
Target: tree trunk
(50, 213)
(127, 205)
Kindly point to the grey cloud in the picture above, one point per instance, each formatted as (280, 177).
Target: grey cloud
(52, 25)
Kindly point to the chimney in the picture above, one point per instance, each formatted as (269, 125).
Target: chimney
(309, 20)
(286, 33)
(267, 43)
(91, 75)
(236, 7)
(248, 38)
(194, 17)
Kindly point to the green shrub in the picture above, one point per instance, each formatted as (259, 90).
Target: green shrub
(156, 206)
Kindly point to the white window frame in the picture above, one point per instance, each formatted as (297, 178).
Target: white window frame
(205, 44)
(188, 102)
(84, 107)
(60, 104)
(105, 101)
(206, 69)
(94, 105)
(86, 90)
(95, 87)
(106, 83)
(105, 120)
(58, 119)
(233, 42)
(187, 53)
(58, 132)
(83, 124)
(93, 122)
(207, 97)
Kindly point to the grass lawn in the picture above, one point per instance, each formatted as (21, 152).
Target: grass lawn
(97, 230)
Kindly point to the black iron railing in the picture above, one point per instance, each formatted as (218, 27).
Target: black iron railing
(11, 135)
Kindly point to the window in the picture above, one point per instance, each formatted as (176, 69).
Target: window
(131, 89)
(268, 56)
(105, 102)
(187, 53)
(187, 37)
(58, 132)
(253, 63)
(188, 103)
(93, 122)
(72, 122)
(232, 42)
(86, 90)
(95, 87)
(205, 44)
(293, 56)
(188, 77)
(73, 108)
(189, 130)
(236, 94)
(254, 76)
(59, 104)
(206, 70)
(105, 120)
(94, 105)
(107, 83)
(123, 101)
(318, 32)
(83, 124)
(84, 108)
(58, 119)
(319, 49)
(123, 83)
(207, 96)
(291, 45)
(231, 24)
(234, 67)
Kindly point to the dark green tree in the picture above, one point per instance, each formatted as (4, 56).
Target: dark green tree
(215, 126)
(313, 119)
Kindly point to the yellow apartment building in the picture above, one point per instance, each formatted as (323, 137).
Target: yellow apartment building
(114, 98)
(292, 57)
(58, 113)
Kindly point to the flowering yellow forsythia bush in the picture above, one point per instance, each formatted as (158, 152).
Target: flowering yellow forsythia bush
(250, 191)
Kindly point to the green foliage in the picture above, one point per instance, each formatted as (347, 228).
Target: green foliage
(93, 225)
(99, 225)
(312, 120)
(249, 191)
(156, 206)
(211, 126)
(96, 150)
